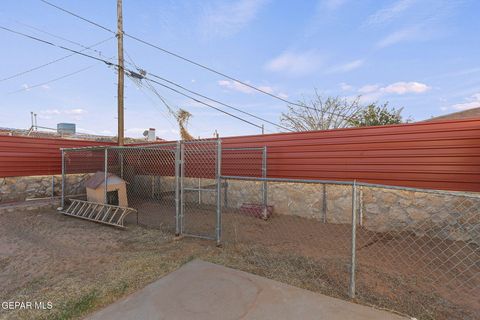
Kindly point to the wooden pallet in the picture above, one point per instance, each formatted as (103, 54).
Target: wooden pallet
(99, 212)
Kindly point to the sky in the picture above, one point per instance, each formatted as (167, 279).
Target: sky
(420, 55)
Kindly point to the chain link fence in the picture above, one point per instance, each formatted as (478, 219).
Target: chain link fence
(411, 250)
(172, 186)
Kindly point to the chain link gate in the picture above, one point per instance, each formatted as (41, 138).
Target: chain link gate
(200, 189)
(172, 186)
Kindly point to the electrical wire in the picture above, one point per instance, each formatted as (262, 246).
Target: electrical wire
(203, 103)
(219, 102)
(52, 61)
(79, 17)
(60, 37)
(203, 96)
(176, 55)
(58, 46)
(128, 73)
(53, 80)
(141, 88)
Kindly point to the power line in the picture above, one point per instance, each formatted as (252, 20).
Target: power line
(219, 102)
(60, 37)
(53, 80)
(57, 45)
(129, 73)
(141, 88)
(205, 97)
(53, 61)
(176, 55)
(195, 63)
(79, 17)
(201, 102)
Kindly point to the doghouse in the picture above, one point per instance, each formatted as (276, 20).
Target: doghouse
(116, 189)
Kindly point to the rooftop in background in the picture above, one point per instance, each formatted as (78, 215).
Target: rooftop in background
(76, 136)
(465, 114)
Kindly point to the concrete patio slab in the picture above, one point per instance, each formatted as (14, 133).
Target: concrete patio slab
(201, 290)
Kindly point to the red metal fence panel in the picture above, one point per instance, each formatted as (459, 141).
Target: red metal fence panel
(29, 156)
(435, 155)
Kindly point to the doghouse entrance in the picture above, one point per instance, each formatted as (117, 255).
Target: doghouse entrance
(112, 197)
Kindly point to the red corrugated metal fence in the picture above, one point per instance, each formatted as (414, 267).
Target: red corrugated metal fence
(435, 155)
(28, 156)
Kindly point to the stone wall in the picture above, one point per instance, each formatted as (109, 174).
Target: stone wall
(14, 189)
(446, 216)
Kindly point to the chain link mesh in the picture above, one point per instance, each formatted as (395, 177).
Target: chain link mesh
(150, 176)
(415, 251)
(79, 165)
(419, 247)
(199, 179)
(411, 250)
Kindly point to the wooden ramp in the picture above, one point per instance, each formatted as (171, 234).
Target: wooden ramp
(99, 212)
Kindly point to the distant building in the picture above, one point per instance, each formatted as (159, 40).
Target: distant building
(465, 114)
(66, 128)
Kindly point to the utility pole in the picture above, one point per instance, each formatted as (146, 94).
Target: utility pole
(120, 88)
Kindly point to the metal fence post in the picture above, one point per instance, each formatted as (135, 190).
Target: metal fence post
(121, 162)
(106, 176)
(53, 186)
(360, 206)
(219, 192)
(264, 183)
(225, 193)
(177, 190)
(199, 191)
(351, 291)
(324, 203)
(63, 180)
(182, 194)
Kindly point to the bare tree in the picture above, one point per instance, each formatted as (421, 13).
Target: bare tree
(321, 114)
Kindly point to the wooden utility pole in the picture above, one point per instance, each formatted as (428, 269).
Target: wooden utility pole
(120, 88)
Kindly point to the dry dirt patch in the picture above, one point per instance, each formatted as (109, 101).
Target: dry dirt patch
(81, 266)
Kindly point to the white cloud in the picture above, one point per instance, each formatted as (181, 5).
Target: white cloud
(75, 114)
(76, 111)
(391, 12)
(96, 132)
(472, 102)
(237, 86)
(369, 88)
(135, 132)
(296, 63)
(333, 4)
(372, 92)
(345, 86)
(50, 111)
(349, 66)
(405, 34)
(406, 87)
(227, 19)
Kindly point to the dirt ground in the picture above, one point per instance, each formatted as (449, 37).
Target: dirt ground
(81, 266)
